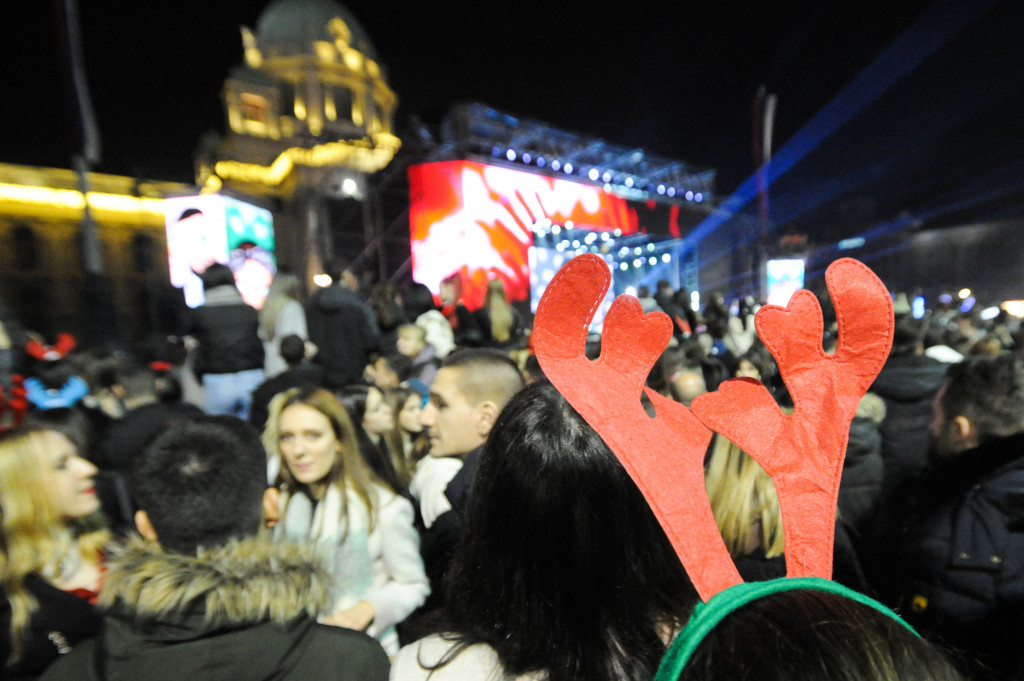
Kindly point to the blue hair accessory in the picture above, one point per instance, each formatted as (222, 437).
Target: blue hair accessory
(706, 616)
(43, 398)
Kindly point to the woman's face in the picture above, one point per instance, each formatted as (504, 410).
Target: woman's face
(409, 417)
(377, 419)
(747, 369)
(307, 443)
(67, 476)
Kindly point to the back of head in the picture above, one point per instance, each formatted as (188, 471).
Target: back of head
(293, 349)
(201, 482)
(805, 635)
(563, 567)
(284, 285)
(336, 268)
(417, 299)
(136, 380)
(485, 374)
(908, 335)
(989, 391)
(216, 275)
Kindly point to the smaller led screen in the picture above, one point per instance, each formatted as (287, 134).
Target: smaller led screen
(202, 230)
(784, 278)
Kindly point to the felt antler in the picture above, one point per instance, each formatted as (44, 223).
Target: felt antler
(664, 455)
(803, 452)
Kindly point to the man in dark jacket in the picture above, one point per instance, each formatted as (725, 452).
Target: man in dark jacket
(229, 356)
(342, 326)
(908, 384)
(957, 555)
(201, 596)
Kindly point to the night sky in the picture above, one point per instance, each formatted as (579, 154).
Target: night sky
(676, 79)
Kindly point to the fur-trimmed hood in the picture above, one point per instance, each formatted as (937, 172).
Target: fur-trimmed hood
(243, 582)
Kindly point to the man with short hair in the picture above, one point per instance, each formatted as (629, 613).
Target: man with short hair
(471, 388)
(202, 595)
(342, 326)
(958, 559)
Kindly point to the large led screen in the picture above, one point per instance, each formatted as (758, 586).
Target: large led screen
(202, 230)
(476, 220)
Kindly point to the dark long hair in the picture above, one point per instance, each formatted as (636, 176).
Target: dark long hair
(805, 635)
(563, 567)
(377, 455)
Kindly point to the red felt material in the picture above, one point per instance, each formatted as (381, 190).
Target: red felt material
(664, 455)
(803, 452)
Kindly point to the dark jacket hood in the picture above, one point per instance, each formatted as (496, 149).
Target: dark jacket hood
(334, 298)
(910, 378)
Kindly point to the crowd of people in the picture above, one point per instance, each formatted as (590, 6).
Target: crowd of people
(385, 485)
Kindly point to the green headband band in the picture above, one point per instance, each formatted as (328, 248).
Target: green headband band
(706, 616)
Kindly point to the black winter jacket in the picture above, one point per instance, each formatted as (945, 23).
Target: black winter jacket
(60, 620)
(343, 328)
(244, 611)
(228, 333)
(908, 384)
(958, 560)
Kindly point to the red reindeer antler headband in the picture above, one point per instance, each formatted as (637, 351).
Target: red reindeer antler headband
(803, 452)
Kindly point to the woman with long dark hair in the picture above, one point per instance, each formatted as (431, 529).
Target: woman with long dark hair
(373, 421)
(563, 572)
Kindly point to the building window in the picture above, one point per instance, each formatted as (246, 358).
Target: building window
(26, 248)
(254, 107)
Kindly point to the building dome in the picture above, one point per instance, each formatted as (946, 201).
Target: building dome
(288, 27)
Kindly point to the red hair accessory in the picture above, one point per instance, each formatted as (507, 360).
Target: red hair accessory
(803, 452)
(51, 353)
(160, 366)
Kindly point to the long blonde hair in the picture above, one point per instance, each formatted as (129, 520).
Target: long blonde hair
(283, 288)
(499, 311)
(34, 536)
(743, 500)
(349, 472)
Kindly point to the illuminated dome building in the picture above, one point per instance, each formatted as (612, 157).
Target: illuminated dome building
(309, 116)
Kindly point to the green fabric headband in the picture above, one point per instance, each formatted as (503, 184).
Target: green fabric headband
(706, 616)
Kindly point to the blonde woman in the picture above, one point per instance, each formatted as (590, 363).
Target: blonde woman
(498, 319)
(328, 496)
(746, 510)
(747, 513)
(50, 542)
(281, 316)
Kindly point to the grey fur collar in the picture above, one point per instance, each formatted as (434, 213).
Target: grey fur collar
(222, 295)
(246, 581)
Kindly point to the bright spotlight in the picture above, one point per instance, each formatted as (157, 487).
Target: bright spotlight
(593, 174)
(556, 165)
(510, 154)
(964, 294)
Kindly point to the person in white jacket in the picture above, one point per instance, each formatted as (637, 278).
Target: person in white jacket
(281, 316)
(325, 494)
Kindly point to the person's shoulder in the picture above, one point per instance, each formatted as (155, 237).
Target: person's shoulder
(359, 654)
(435, 656)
